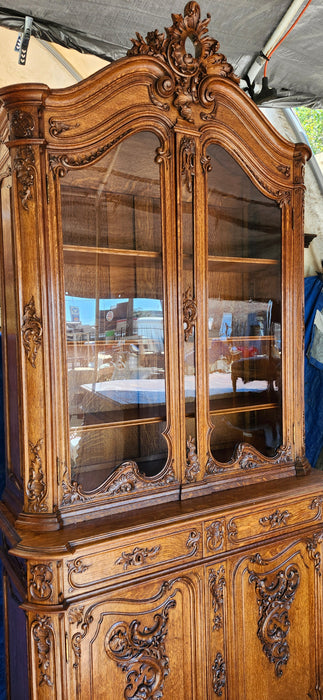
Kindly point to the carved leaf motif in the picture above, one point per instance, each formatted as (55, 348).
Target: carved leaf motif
(247, 457)
(275, 519)
(313, 552)
(21, 124)
(57, 127)
(275, 598)
(141, 654)
(43, 635)
(75, 615)
(188, 163)
(31, 331)
(123, 480)
(219, 674)
(189, 312)
(24, 166)
(36, 487)
(40, 585)
(60, 164)
(193, 542)
(186, 76)
(217, 583)
(137, 557)
(193, 466)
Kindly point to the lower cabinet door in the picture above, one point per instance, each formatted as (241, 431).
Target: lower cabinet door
(276, 622)
(140, 642)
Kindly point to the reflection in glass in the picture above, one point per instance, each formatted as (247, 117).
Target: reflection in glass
(244, 310)
(114, 312)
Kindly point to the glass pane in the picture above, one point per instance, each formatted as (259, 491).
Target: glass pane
(111, 224)
(188, 300)
(262, 429)
(244, 308)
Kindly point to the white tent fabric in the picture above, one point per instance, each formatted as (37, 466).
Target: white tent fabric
(242, 27)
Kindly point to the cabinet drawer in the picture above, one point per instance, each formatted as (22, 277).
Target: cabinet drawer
(264, 523)
(96, 570)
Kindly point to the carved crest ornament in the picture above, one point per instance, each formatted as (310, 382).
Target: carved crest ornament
(187, 77)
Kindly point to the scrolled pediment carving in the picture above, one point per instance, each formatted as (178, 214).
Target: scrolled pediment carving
(187, 75)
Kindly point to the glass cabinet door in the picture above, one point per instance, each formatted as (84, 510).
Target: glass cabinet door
(114, 306)
(244, 311)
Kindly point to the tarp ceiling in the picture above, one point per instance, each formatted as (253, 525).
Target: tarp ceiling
(242, 27)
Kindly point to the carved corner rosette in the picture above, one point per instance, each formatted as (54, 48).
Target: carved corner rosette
(43, 635)
(32, 331)
(186, 82)
(24, 167)
(22, 124)
(219, 674)
(192, 465)
(141, 653)
(40, 583)
(217, 584)
(125, 479)
(138, 557)
(275, 596)
(189, 312)
(36, 487)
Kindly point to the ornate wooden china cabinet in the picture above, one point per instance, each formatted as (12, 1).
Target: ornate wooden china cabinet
(161, 526)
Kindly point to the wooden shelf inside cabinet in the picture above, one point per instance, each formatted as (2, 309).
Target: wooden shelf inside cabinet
(89, 255)
(219, 263)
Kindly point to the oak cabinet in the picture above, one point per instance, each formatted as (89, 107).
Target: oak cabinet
(161, 525)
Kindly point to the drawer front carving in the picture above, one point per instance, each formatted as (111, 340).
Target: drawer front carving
(93, 570)
(265, 523)
(214, 536)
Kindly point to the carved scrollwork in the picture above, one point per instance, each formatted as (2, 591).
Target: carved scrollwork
(60, 164)
(246, 457)
(275, 598)
(24, 166)
(284, 169)
(193, 542)
(275, 519)
(75, 567)
(314, 552)
(32, 331)
(36, 487)
(56, 127)
(83, 622)
(188, 161)
(317, 504)
(43, 636)
(22, 124)
(137, 557)
(217, 584)
(193, 466)
(215, 536)
(187, 77)
(40, 584)
(141, 654)
(189, 312)
(125, 479)
(206, 164)
(219, 674)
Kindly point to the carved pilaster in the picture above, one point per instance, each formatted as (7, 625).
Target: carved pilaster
(24, 166)
(217, 583)
(36, 487)
(188, 162)
(42, 630)
(32, 331)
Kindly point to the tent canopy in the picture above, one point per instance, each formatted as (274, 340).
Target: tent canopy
(105, 29)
